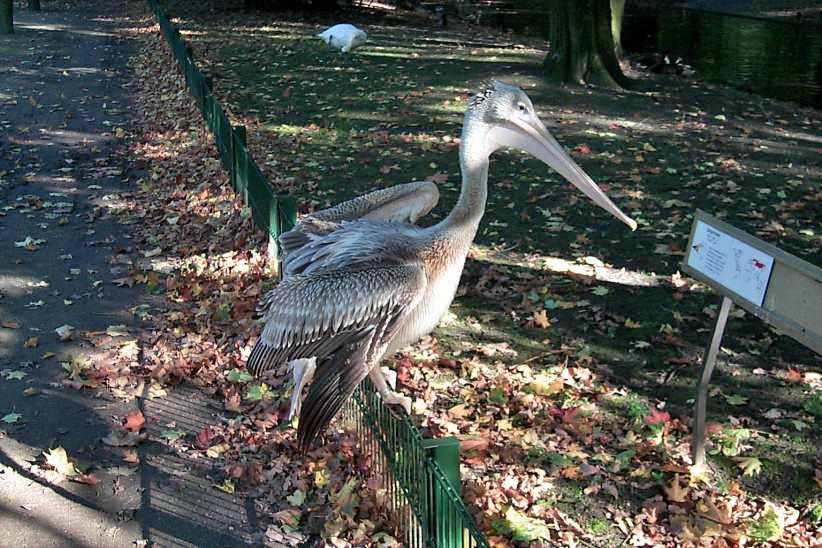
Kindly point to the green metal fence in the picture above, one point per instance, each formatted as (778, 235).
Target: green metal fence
(421, 476)
(272, 213)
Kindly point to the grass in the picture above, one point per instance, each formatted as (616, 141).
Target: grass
(328, 127)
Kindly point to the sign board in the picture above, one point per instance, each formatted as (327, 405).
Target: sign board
(779, 288)
(730, 262)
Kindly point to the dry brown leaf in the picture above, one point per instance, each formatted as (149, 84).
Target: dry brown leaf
(676, 492)
(134, 421)
(541, 319)
(719, 514)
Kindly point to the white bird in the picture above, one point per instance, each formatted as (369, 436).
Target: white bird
(343, 36)
(360, 281)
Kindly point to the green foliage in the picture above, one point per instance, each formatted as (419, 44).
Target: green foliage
(521, 528)
(598, 527)
(814, 405)
(239, 376)
(637, 410)
(767, 528)
(497, 396)
(732, 441)
(257, 392)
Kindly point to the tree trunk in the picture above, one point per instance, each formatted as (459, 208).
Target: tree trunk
(582, 43)
(6, 20)
(34, 5)
(617, 11)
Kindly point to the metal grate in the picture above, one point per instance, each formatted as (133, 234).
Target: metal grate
(420, 495)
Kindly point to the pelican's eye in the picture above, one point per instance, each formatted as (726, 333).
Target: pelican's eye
(522, 107)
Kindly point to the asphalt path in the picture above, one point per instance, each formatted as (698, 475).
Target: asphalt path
(65, 177)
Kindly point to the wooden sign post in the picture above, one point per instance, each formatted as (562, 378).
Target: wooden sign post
(775, 286)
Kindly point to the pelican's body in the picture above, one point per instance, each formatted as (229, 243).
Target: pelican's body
(360, 280)
(344, 36)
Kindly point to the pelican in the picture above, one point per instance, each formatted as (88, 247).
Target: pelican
(361, 281)
(344, 36)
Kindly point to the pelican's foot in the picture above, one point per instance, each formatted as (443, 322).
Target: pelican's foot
(303, 371)
(390, 376)
(395, 398)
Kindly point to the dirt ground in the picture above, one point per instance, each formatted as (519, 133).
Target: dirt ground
(67, 175)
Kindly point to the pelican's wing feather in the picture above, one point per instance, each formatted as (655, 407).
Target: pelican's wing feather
(351, 244)
(344, 318)
(400, 204)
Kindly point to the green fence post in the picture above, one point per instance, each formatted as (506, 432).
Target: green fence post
(273, 250)
(446, 453)
(288, 213)
(242, 136)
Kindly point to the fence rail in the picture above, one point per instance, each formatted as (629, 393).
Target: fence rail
(274, 214)
(421, 476)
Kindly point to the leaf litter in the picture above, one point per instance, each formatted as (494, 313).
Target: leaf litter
(544, 427)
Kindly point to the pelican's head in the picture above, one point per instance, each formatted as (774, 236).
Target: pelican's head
(511, 121)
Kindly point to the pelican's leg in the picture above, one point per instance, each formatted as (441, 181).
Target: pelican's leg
(388, 396)
(303, 371)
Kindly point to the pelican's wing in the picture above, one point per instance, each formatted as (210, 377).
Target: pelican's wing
(352, 244)
(345, 318)
(402, 203)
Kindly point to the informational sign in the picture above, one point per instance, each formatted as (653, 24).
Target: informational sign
(730, 262)
(777, 287)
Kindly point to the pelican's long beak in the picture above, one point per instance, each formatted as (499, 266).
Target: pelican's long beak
(534, 138)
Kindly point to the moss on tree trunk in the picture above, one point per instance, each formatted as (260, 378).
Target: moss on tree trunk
(582, 43)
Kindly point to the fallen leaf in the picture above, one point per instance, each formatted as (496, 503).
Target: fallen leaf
(480, 444)
(172, 434)
(297, 498)
(541, 319)
(736, 399)
(130, 456)
(657, 417)
(57, 458)
(676, 492)
(65, 332)
(117, 330)
(522, 528)
(751, 466)
(227, 486)
(12, 418)
(134, 421)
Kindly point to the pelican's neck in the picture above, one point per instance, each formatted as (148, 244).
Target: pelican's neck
(465, 217)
